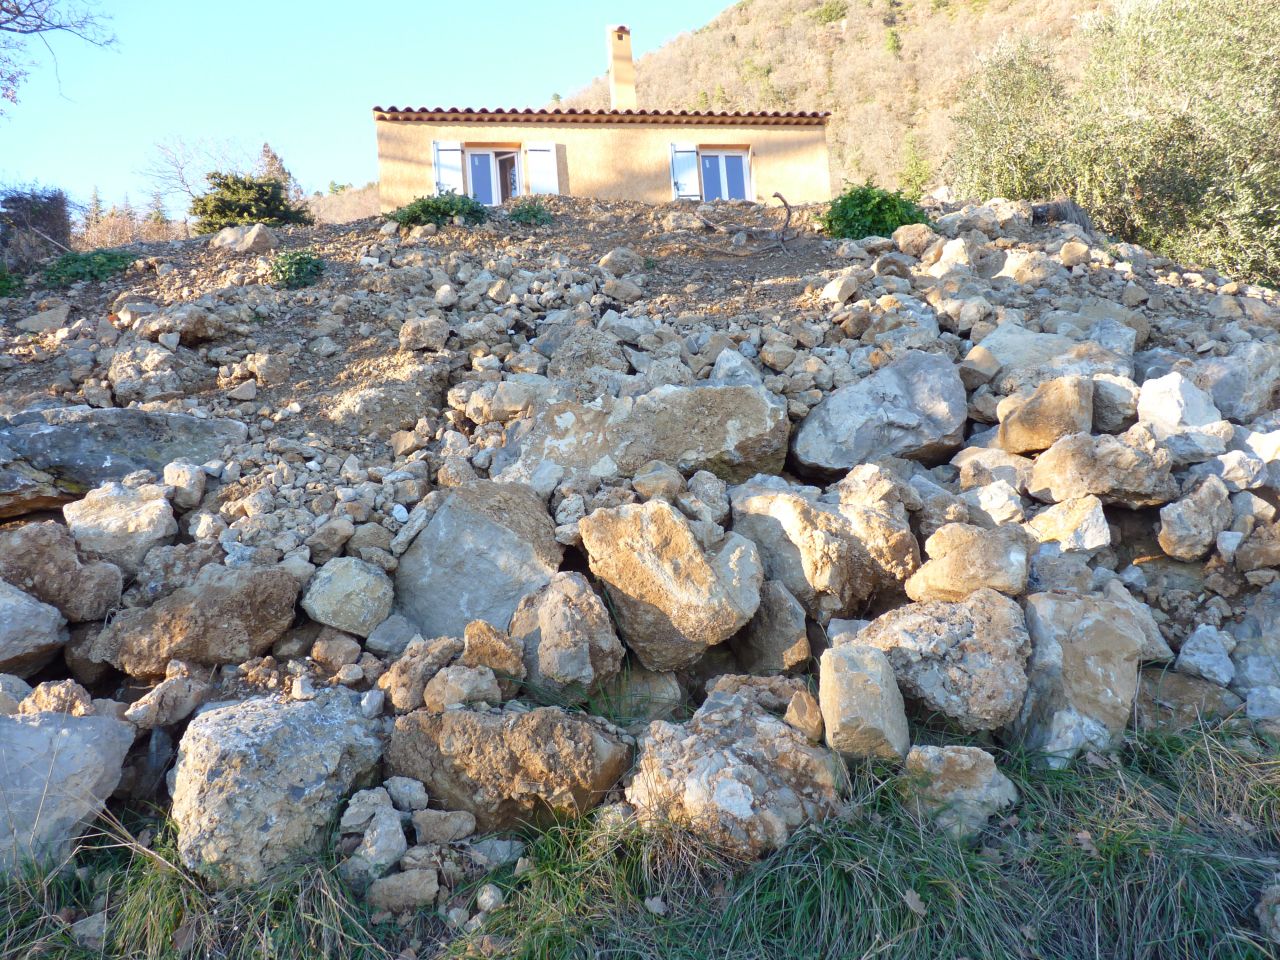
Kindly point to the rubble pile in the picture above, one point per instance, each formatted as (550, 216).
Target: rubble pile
(497, 525)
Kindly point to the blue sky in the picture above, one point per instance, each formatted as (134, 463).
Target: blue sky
(301, 75)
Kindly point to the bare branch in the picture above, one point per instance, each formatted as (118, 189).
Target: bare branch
(22, 19)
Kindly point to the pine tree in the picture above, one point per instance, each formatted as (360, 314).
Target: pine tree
(93, 214)
(271, 167)
(155, 209)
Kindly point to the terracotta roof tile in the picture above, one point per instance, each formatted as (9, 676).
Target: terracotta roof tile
(577, 115)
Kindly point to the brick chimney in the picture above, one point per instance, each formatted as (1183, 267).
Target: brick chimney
(622, 72)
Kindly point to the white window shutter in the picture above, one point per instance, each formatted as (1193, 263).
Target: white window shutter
(684, 172)
(542, 173)
(448, 166)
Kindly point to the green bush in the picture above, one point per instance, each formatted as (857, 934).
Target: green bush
(234, 200)
(916, 172)
(531, 212)
(869, 211)
(94, 265)
(296, 268)
(831, 11)
(440, 210)
(1167, 139)
(9, 284)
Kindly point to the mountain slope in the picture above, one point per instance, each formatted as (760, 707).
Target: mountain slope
(889, 71)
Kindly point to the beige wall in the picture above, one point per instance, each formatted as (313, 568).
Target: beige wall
(616, 161)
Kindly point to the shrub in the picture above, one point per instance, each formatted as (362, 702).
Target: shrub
(93, 265)
(234, 200)
(893, 42)
(296, 268)
(531, 212)
(9, 284)
(440, 210)
(35, 223)
(869, 211)
(831, 11)
(916, 170)
(1167, 139)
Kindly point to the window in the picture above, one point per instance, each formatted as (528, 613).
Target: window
(493, 175)
(710, 173)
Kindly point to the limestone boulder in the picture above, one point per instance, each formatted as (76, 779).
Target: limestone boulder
(55, 454)
(56, 773)
(1073, 526)
(1189, 527)
(1035, 421)
(958, 787)
(735, 774)
(964, 558)
(1082, 676)
(31, 632)
(914, 407)
(41, 559)
(831, 556)
(1257, 643)
(120, 524)
(250, 238)
(863, 713)
(966, 660)
(508, 768)
(257, 784)
(1206, 653)
(731, 430)
(568, 640)
(775, 640)
(227, 615)
(1172, 701)
(1243, 383)
(350, 595)
(673, 598)
(486, 546)
(1104, 466)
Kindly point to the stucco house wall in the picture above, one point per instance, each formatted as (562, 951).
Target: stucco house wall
(621, 160)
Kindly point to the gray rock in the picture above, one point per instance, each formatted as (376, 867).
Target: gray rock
(121, 524)
(31, 632)
(775, 640)
(914, 407)
(257, 783)
(1207, 654)
(570, 646)
(250, 238)
(350, 595)
(56, 773)
(77, 448)
(487, 546)
(862, 708)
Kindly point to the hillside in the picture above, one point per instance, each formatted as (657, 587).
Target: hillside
(889, 71)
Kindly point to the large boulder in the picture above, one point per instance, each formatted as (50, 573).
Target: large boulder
(776, 639)
(732, 430)
(350, 595)
(41, 559)
(673, 598)
(734, 774)
(31, 632)
(1104, 466)
(227, 615)
(1036, 420)
(966, 660)
(249, 238)
(569, 643)
(509, 768)
(832, 557)
(257, 784)
(56, 773)
(1189, 527)
(486, 546)
(862, 709)
(1257, 651)
(914, 407)
(77, 448)
(1244, 382)
(1082, 676)
(964, 558)
(120, 524)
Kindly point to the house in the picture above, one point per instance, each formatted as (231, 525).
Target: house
(622, 153)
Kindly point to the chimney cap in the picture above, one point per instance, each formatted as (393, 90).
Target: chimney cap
(620, 28)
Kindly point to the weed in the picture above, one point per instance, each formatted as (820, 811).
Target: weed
(440, 209)
(869, 211)
(530, 212)
(296, 268)
(94, 265)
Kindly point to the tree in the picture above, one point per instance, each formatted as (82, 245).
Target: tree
(20, 20)
(94, 212)
(271, 167)
(155, 210)
(178, 166)
(234, 200)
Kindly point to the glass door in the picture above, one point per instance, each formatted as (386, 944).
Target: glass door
(483, 175)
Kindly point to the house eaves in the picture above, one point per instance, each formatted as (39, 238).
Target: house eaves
(771, 118)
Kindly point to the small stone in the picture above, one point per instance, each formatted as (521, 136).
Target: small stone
(862, 709)
(959, 787)
(349, 595)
